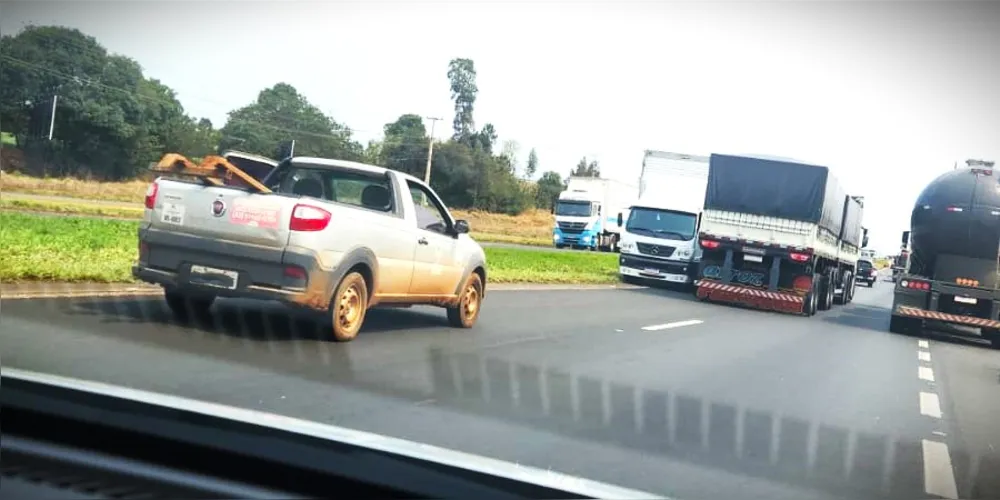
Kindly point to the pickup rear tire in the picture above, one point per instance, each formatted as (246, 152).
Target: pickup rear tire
(186, 306)
(349, 307)
(466, 312)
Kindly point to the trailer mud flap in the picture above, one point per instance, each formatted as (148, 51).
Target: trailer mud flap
(759, 299)
(914, 312)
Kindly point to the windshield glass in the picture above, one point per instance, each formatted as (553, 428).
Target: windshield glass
(664, 224)
(573, 208)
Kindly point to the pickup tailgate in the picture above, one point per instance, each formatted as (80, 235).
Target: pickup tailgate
(217, 236)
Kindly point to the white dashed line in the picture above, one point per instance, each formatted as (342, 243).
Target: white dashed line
(930, 405)
(675, 324)
(925, 373)
(924, 356)
(939, 477)
(922, 344)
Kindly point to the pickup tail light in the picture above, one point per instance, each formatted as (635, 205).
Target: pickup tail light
(710, 244)
(915, 285)
(151, 192)
(799, 257)
(309, 218)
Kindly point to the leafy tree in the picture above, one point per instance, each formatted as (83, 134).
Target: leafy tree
(280, 114)
(405, 145)
(532, 166)
(585, 169)
(462, 76)
(549, 187)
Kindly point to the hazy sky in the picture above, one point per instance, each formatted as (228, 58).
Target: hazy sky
(889, 94)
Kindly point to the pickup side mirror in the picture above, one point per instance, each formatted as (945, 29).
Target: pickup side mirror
(461, 226)
(620, 221)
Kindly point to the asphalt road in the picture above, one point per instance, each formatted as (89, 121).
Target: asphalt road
(643, 388)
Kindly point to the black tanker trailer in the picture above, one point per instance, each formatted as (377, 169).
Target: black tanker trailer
(952, 276)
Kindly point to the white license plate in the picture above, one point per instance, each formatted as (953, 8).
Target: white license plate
(651, 272)
(753, 258)
(172, 213)
(965, 300)
(210, 276)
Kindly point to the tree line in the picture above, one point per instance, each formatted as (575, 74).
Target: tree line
(111, 121)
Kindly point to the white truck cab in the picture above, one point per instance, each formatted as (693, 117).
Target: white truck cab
(659, 231)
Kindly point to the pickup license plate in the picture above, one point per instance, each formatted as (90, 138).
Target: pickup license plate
(965, 300)
(753, 258)
(210, 276)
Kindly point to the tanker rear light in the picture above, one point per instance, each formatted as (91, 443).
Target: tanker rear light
(967, 282)
(915, 285)
(955, 209)
(799, 257)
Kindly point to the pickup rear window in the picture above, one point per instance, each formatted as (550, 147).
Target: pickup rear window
(351, 188)
(864, 264)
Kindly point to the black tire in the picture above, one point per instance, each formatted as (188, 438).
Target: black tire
(187, 307)
(825, 302)
(349, 306)
(560, 246)
(905, 326)
(470, 302)
(811, 301)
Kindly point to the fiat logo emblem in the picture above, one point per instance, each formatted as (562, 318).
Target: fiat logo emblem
(218, 208)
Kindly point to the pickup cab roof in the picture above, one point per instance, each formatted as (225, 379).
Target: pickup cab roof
(364, 167)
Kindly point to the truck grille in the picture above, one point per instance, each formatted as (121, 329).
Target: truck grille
(655, 250)
(572, 227)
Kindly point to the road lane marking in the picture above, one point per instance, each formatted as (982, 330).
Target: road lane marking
(925, 373)
(675, 324)
(924, 356)
(930, 405)
(939, 477)
(922, 344)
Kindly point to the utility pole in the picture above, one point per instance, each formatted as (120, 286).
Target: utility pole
(52, 119)
(430, 151)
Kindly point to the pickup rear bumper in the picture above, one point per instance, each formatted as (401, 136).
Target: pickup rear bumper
(288, 275)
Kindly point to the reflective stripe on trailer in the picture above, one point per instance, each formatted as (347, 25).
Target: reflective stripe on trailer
(753, 292)
(916, 312)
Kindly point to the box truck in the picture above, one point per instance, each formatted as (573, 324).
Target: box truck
(659, 231)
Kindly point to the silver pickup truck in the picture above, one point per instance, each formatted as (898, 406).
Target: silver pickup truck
(333, 236)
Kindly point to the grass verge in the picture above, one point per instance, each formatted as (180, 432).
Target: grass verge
(46, 248)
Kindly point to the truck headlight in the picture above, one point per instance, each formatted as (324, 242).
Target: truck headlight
(684, 252)
(627, 247)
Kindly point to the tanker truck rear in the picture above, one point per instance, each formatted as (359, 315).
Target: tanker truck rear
(778, 234)
(953, 273)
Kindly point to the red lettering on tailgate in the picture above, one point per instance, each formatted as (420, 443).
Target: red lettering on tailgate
(252, 214)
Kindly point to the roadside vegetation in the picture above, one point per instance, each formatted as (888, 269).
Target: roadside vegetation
(49, 248)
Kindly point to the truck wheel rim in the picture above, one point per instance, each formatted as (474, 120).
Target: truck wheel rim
(349, 308)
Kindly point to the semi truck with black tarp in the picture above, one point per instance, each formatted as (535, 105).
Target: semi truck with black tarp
(778, 234)
(952, 274)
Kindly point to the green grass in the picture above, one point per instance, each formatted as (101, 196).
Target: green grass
(38, 247)
(65, 248)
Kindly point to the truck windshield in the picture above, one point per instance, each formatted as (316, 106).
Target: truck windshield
(573, 208)
(664, 224)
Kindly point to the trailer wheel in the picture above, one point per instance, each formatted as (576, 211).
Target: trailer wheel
(826, 291)
(992, 335)
(811, 301)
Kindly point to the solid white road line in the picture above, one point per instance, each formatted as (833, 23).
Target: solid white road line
(924, 356)
(922, 344)
(925, 373)
(939, 477)
(675, 324)
(930, 405)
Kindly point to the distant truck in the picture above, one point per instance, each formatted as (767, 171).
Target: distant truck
(587, 213)
(778, 234)
(659, 234)
(953, 274)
